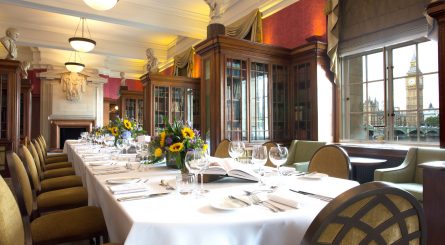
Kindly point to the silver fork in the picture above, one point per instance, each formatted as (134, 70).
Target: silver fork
(256, 201)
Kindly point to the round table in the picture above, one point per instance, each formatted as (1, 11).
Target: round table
(363, 162)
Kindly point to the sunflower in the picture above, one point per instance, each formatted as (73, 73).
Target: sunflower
(204, 147)
(162, 139)
(127, 124)
(114, 131)
(188, 133)
(176, 147)
(158, 152)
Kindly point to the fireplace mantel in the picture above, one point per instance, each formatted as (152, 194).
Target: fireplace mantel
(57, 124)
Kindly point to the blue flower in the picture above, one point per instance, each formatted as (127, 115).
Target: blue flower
(126, 135)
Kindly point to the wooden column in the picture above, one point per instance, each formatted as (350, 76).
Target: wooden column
(434, 200)
(437, 11)
(26, 98)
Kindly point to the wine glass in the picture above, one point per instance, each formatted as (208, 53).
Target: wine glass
(259, 158)
(278, 156)
(236, 149)
(196, 162)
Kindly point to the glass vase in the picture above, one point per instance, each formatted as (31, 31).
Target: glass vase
(176, 160)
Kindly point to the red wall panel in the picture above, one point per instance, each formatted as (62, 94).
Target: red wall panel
(111, 88)
(291, 26)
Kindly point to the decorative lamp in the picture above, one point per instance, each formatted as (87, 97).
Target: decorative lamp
(82, 44)
(101, 4)
(74, 66)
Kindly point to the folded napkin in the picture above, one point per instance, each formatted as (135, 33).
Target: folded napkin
(128, 188)
(288, 198)
(100, 163)
(95, 157)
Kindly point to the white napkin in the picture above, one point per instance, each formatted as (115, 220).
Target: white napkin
(288, 198)
(95, 157)
(128, 188)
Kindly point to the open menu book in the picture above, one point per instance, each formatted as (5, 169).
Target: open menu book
(229, 167)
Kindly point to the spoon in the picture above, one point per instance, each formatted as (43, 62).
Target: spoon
(167, 185)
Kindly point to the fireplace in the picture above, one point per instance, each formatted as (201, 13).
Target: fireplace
(62, 130)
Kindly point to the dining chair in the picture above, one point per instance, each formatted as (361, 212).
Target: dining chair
(301, 152)
(51, 157)
(371, 213)
(269, 145)
(52, 170)
(57, 227)
(222, 150)
(48, 201)
(331, 160)
(52, 163)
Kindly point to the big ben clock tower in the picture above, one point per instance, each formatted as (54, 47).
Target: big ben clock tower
(414, 93)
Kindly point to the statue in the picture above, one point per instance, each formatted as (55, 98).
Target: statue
(73, 84)
(123, 80)
(215, 10)
(152, 61)
(8, 44)
(24, 68)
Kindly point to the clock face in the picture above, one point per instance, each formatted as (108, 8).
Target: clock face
(411, 82)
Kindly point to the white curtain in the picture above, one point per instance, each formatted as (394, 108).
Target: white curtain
(332, 11)
(184, 59)
(251, 23)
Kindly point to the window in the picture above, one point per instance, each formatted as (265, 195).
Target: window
(392, 94)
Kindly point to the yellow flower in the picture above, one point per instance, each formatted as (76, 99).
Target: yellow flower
(127, 124)
(114, 131)
(176, 147)
(158, 152)
(162, 140)
(204, 147)
(188, 133)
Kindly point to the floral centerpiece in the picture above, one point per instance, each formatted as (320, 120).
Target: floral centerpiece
(173, 142)
(123, 129)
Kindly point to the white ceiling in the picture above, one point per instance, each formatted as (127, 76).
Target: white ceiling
(122, 33)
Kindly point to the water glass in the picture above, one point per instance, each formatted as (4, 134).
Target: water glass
(278, 156)
(236, 149)
(185, 183)
(259, 158)
(196, 162)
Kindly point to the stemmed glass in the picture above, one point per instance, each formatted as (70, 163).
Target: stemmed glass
(259, 158)
(278, 156)
(196, 161)
(236, 149)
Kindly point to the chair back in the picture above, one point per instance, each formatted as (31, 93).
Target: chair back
(222, 150)
(371, 213)
(269, 145)
(40, 154)
(11, 225)
(302, 150)
(21, 184)
(331, 160)
(30, 166)
(35, 156)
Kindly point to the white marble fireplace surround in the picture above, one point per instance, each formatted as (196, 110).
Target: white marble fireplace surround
(55, 107)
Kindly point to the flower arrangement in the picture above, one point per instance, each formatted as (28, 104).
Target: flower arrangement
(175, 140)
(123, 129)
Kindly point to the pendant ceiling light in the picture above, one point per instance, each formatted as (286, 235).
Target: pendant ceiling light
(101, 4)
(82, 44)
(74, 66)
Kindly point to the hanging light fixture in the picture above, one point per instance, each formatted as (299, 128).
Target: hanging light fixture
(82, 44)
(101, 4)
(74, 66)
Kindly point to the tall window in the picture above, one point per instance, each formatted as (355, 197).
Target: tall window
(392, 94)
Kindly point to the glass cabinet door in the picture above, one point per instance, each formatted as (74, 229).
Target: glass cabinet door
(236, 100)
(259, 104)
(3, 105)
(130, 108)
(303, 109)
(161, 107)
(280, 102)
(140, 111)
(193, 107)
(178, 104)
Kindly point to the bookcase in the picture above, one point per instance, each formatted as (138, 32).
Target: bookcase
(171, 98)
(131, 104)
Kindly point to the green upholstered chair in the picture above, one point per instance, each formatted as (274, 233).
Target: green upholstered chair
(408, 175)
(371, 213)
(72, 225)
(51, 157)
(48, 165)
(269, 145)
(48, 201)
(331, 160)
(301, 152)
(222, 150)
(58, 171)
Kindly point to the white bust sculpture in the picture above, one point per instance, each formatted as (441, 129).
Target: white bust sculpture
(123, 80)
(73, 84)
(9, 49)
(25, 67)
(215, 10)
(152, 61)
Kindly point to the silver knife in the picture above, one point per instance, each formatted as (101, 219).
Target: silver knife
(320, 197)
(132, 198)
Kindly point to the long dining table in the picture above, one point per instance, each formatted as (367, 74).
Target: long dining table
(188, 219)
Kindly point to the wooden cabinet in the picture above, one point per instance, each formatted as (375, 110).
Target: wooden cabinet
(170, 97)
(131, 104)
(25, 110)
(256, 92)
(9, 109)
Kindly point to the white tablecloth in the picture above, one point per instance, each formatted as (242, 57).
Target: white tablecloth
(178, 219)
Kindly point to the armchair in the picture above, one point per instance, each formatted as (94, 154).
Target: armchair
(408, 175)
(301, 152)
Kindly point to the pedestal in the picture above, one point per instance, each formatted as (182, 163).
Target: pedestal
(215, 29)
